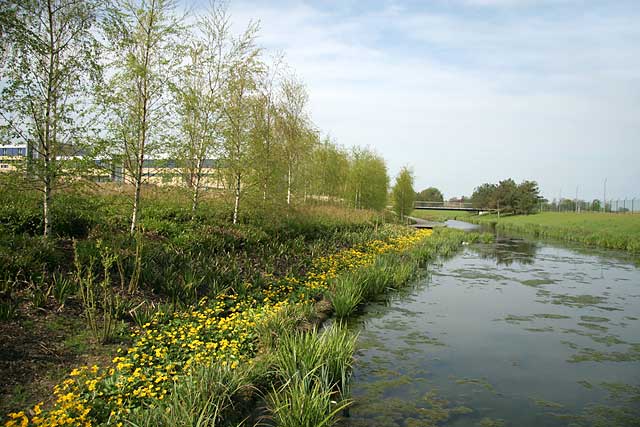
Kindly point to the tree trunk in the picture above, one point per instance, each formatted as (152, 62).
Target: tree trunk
(136, 202)
(236, 206)
(47, 207)
(196, 188)
(46, 144)
(289, 185)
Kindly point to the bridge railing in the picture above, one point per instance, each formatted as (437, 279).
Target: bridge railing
(421, 204)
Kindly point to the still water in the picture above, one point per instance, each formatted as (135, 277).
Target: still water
(514, 333)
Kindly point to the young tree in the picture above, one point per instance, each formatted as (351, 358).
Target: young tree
(328, 170)
(267, 147)
(294, 128)
(368, 181)
(239, 89)
(403, 193)
(141, 41)
(198, 93)
(49, 66)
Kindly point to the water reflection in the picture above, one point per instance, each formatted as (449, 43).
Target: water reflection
(507, 251)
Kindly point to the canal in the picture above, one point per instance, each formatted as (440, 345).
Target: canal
(512, 333)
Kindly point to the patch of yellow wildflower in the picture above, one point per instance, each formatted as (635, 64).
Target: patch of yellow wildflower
(218, 331)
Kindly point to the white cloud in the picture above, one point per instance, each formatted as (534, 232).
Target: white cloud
(465, 100)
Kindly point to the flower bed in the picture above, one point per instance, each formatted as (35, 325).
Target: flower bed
(220, 331)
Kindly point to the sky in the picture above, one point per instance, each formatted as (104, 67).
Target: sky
(465, 92)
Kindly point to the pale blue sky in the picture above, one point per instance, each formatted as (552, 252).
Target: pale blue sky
(472, 91)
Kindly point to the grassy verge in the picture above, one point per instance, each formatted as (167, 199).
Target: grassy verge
(222, 317)
(442, 216)
(607, 230)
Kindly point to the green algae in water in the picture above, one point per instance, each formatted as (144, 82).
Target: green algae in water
(593, 326)
(491, 422)
(395, 325)
(586, 384)
(512, 318)
(542, 329)
(571, 345)
(429, 410)
(594, 319)
(547, 404)
(607, 340)
(591, 355)
(537, 282)
(481, 382)
(415, 338)
(624, 392)
(577, 300)
(551, 316)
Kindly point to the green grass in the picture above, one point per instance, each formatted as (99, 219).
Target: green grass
(607, 230)
(314, 369)
(442, 216)
(205, 398)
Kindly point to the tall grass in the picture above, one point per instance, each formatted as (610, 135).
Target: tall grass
(300, 352)
(280, 323)
(207, 397)
(347, 293)
(314, 369)
(305, 401)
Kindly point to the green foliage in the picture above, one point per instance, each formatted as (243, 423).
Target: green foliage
(403, 194)
(302, 353)
(279, 323)
(329, 170)
(98, 299)
(508, 197)
(484, 196)
(45, 108)
(347, 294)
(305, 401)
(368, 181)
(205, 397)
(430, 194)
(315, 369)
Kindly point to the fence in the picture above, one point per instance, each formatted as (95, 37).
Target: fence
(613, 206)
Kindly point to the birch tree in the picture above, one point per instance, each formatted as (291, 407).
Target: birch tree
(294, 124)
(266, 145)
(199, 96)
(48, 68)
(141, 39)
(240, 87)
(329, 170)
(368, 181)
(403, 194)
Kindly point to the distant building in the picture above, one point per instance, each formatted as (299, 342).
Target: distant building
(158, 172)
(11, 157)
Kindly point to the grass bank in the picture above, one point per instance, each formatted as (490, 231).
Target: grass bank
(606, 230)
(442, 216)
(192, 321)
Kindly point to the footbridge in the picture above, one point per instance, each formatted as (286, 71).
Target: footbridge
(449, 206)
